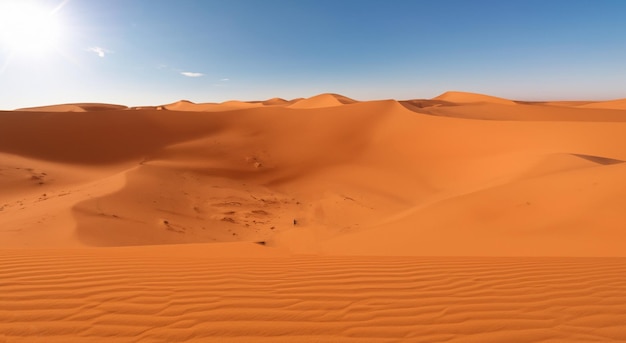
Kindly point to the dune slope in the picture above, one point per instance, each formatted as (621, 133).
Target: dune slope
(466, 97)
(618, 104)
(322, 100)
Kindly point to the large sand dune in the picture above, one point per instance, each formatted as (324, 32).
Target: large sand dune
(97, 194)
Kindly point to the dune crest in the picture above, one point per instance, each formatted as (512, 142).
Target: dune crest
(275, 102)
(619, 104)
(323, 100)
(181, 105)
(86, 107)
(185, 105)
(466, 97)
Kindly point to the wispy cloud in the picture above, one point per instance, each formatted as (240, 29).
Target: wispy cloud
(191, 74)
(224, 80)
(100, 51)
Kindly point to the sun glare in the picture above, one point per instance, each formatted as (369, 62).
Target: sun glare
(26, 27)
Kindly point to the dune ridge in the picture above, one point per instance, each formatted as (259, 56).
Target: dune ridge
(618, 104)
(467, 97)
(80, 107)
(322, 101)
(185, 105)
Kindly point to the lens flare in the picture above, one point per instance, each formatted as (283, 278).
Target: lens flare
(26, 27)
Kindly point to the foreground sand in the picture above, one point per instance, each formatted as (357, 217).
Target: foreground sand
(183, 294)
(139, 224)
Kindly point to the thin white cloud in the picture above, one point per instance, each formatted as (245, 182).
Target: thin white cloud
(224, 80)
(100, 51)
(191, 74)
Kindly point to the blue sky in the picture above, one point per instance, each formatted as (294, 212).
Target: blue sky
(149, 52)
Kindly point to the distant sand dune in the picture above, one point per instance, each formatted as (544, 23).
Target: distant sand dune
(465, 97)
(275, 102)
(323, 100)
(74, 108)
(185, 105)
(519, 112)
(619, 104)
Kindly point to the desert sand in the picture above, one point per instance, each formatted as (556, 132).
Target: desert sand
(462, 218)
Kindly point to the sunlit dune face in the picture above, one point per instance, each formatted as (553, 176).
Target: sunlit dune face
(27, 27)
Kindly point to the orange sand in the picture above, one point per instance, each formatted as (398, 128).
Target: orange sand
(93, 195)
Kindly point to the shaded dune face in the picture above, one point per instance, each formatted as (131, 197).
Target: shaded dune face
(95, 137)
(461, 174)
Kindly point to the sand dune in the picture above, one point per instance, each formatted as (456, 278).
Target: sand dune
(323, 100)
(619, 104)
(309, 219)
(185, 105)
(162, 177)
(466, 97)
(515, 112)
(86, 107)
(275, 102)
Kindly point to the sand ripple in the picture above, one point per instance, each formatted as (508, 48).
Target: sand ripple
(96, 295)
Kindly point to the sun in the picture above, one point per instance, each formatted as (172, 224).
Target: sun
(28, 27)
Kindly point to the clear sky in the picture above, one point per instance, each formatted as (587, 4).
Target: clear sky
(150, 52)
